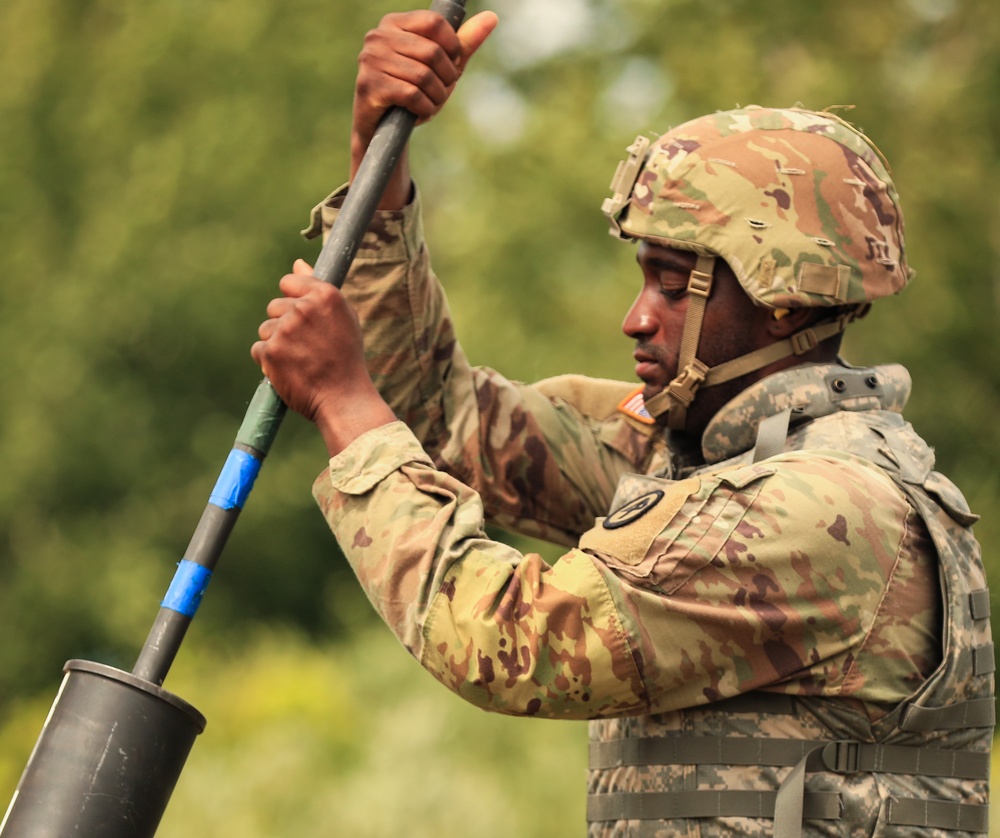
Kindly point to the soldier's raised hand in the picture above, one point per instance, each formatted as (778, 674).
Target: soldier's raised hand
(413, 60)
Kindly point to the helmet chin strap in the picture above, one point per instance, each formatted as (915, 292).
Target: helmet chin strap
(676, 398)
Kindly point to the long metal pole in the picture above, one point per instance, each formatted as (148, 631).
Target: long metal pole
(266, 411)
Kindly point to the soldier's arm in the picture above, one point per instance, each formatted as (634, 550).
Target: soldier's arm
(545, 459)
(778, 578)
(463, 416)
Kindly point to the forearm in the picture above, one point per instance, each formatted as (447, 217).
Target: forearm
(495, 435)
(505, 631)
(407, 327)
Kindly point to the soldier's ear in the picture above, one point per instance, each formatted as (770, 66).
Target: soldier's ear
(787, 321)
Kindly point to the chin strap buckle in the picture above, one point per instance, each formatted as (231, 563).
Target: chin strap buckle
(804, 341)
(684, 388)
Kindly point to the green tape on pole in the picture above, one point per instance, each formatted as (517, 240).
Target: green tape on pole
(262, 419)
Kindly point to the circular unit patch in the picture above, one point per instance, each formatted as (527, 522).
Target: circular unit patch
(633, 510)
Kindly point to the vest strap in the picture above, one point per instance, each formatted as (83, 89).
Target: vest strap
(983, 660)
(771, 434)
(699, 750)
(726, 803)
(849, 757)
(938, 814)
(977, 712)
(979, 604)
(842, 757)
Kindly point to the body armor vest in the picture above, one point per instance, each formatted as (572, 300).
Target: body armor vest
(766, 764)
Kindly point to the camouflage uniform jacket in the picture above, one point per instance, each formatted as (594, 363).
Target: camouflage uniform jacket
(720, 620)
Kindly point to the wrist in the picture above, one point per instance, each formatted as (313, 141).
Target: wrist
(341, 420)
(399, 189)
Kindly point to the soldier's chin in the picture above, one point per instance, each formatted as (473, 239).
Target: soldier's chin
(651, 390)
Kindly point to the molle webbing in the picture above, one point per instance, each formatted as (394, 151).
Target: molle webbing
(933, 814)
(792, 804)
(679, 805)
(844, 757)
(852, 757)
(984, 660)
(978, 712)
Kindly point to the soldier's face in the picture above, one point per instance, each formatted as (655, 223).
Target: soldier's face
(732, 326)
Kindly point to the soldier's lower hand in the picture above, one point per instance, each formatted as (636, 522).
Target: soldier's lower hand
(411, 60)
(311, 349)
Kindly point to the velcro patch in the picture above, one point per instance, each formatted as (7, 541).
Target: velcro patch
(633, 510)
(829, 280)
(627, 533)
(634, 406)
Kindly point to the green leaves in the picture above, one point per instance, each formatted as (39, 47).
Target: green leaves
(156, 164)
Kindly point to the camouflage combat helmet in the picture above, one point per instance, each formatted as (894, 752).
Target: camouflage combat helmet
(798, 203)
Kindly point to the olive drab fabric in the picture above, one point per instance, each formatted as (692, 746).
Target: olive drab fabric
(797, 202)
(783, 638)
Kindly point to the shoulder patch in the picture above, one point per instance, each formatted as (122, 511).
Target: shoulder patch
(633, 510)
(628, 531)
(634, 406)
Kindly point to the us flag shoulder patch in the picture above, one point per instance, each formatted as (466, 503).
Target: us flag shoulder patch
(634, 406)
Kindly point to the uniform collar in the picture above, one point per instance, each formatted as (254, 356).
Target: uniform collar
(811, 391)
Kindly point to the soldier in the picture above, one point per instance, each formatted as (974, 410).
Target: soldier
(771, 606)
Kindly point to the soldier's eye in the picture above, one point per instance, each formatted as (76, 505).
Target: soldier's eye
(673, 294)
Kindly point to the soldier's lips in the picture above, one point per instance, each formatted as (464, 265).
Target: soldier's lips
(647, 371)
(647, 368)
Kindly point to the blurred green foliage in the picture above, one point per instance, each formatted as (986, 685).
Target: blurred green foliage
(156, 162)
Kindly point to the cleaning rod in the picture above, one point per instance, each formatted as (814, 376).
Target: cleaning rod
(266, 411)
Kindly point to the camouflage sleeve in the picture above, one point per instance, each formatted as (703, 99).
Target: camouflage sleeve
(564, 438)
(775, 577)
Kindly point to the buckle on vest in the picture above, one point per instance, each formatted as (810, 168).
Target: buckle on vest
(842, 757)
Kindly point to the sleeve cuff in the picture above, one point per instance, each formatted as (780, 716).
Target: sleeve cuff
(392, 234)
(373, 456)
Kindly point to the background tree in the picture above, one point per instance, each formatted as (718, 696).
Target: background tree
(156, 162)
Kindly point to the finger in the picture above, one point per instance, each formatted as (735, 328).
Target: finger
(267, 329)
(437, 46)
(410, 85)
(297, 284)
(280, 306)
(406, 78)
(473, 33)
(302, 268)
(416, 47)
(429, 25)
(432, 56)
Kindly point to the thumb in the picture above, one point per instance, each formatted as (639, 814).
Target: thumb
(474, 32)
(302, 268)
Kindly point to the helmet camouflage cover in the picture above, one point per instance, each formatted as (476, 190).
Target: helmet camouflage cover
(798, 203)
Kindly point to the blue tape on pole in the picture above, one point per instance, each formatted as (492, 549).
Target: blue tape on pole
(236, 480)
(187, 588)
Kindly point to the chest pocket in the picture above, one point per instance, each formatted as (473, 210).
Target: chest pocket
(662, 537)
